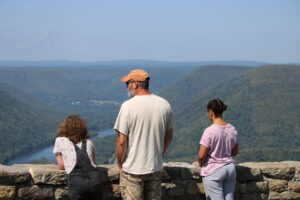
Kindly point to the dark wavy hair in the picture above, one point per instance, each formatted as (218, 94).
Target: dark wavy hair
(217, 106)
(74, 128)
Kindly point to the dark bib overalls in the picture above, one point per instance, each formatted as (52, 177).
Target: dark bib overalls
(84, 179)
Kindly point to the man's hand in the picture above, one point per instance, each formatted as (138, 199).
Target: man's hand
(121, 148)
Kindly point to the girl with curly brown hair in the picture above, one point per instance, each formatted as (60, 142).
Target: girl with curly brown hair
(75, 153)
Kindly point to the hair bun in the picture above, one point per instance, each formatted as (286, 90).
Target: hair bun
(224, 107)
(217, 106)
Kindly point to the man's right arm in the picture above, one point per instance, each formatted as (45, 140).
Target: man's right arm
(121, 148)
(168, 139)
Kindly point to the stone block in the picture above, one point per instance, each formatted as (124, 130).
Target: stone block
(61, 194)
(195, 188)
(248, 174)
(285, 173)
(182, 171)
(275, 170)
(173, 190)
(165, 175)
(287, 195)
(111, 191)
(35, 192)
(195, 172)
(173, 172)
(294, 186)
(7, 192)
(185, 173)
(188, 197)
(237, 188)
(14, 174)
(297, 173)
(47, 174)
(253, 187)
(253, 196)
(109, 173)
(278, 185)
(274, 195)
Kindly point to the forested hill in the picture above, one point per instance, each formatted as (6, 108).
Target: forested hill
(198, 80)
(22, 128)
(33, 103)
(63, 85)
(264, 105)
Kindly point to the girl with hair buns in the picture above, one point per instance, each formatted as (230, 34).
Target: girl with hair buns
(75, 153)
(218, 145)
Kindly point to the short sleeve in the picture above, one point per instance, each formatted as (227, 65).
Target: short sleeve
(91, 151)
(92, 147)
(57, 148)
(206, 139)
(121, 124)
(170, 119)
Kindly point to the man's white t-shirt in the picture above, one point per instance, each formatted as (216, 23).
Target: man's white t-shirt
(144, 119)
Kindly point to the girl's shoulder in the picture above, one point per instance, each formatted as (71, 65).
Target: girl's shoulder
(212, 127)
(62, 140)
(89, 142)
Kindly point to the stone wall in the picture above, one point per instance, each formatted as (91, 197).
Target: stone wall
(268, 180)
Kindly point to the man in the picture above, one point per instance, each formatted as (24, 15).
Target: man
(144, 127)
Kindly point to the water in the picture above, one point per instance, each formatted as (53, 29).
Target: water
(48, 152)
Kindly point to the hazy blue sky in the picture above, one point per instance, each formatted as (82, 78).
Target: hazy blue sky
(173, 30)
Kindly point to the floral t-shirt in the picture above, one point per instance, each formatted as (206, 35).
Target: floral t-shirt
(64, 146)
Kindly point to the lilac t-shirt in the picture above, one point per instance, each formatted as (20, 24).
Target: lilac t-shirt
(220, 140)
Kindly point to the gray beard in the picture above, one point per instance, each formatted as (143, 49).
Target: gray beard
(130, 93)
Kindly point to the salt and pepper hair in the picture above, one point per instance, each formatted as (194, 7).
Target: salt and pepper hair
(144, 84)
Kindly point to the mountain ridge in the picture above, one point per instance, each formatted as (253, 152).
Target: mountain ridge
(127, 63)
(248, 96)
(23, 127)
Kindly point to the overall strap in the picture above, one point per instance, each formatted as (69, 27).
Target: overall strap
(83, 146)
(83, 160)
(84, 169)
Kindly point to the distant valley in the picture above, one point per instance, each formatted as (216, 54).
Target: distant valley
(93, 93)
(264, 105)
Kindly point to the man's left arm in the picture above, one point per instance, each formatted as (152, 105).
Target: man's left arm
(121, 148)
(168, 139)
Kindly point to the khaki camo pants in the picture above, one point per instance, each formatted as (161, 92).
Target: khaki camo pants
(139, 187)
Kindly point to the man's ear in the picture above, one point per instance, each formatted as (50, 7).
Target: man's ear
(135, 85)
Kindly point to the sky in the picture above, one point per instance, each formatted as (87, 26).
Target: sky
(169, 30)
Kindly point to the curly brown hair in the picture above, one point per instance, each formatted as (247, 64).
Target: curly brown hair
(74, 128)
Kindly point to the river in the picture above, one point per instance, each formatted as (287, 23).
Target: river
(47, 152)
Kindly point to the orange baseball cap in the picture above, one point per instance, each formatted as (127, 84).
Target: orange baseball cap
(136, 75)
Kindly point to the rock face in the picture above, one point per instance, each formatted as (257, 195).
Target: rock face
(268, 180)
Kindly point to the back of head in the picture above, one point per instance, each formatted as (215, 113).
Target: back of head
(217, 106)
(74, 128)
(140, 76)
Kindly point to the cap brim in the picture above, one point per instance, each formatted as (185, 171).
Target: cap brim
(125, 79)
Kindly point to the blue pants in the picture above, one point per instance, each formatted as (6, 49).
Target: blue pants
(220, 185)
